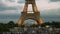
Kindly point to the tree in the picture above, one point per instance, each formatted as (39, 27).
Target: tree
(11, 24)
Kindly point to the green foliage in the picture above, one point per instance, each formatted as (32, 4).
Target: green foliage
(43, 25)
(23, 26)
(6, 27)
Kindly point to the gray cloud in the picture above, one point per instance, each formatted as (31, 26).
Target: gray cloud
(18, 1)
(55, 13)
(5, 7)
(51, 15)
(21, 1)
(54, 0)
(11, 0)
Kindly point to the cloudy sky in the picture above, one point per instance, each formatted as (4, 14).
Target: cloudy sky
(49, 9)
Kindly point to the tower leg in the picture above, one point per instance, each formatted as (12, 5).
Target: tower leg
(34, 7)
(40, 20)
(20, 21)
(25, 7)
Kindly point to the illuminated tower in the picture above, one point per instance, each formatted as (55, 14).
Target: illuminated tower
(35, 14)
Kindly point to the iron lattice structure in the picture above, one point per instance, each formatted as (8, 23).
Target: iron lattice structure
(35, 16)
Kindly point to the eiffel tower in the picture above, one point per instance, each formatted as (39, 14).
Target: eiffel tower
(25, 15)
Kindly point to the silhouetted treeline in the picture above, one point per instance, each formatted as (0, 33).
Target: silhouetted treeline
(6, 27)
(11, 24)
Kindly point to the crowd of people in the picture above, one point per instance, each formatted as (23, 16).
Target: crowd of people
(32, 30)
(35, 30)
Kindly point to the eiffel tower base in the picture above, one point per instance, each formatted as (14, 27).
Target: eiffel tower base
(34, 16)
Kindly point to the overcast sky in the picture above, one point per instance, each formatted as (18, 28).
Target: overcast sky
(16, 6)
(46, 7)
